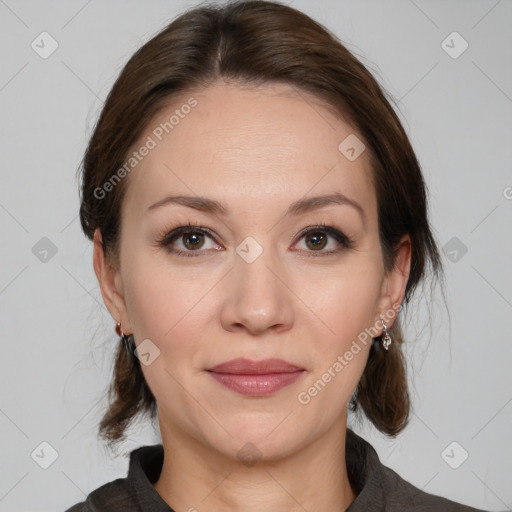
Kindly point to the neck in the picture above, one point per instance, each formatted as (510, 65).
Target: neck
(195, 478)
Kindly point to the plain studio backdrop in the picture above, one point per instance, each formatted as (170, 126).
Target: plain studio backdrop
(448, 66)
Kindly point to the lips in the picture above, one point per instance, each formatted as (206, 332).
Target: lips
(256, 378)
(242, 366)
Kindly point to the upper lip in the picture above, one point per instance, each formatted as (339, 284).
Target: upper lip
(249, 367)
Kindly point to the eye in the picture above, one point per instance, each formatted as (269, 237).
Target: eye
(189, 239)
(317, 238)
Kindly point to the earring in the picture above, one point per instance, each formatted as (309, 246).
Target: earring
(385, 338)
(124, 338)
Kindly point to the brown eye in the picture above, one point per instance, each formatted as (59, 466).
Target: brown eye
(193, 240)
(189, 241)
(316, 240)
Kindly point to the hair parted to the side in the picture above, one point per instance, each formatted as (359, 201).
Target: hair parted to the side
(256, 42)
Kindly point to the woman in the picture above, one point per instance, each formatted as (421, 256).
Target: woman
(259, 219)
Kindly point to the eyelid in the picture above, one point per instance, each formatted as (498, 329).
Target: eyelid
(322, 227)
(331, 231)
(170, 235)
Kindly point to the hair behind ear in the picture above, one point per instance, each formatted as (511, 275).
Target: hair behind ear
(128, 395)
(382, 392)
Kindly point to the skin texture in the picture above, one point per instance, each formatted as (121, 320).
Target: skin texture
(256, 150)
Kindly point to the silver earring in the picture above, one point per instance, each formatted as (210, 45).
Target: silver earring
(124, 338)
(385, 338)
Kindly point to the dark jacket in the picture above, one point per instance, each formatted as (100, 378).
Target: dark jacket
(378, 488)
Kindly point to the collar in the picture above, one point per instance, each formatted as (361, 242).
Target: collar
(365, 472)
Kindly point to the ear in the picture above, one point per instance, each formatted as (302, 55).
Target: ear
(395, 282)
(111, 284)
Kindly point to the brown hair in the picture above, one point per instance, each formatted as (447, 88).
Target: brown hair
(256, 42)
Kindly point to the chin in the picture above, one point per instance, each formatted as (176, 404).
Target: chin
(258, 440)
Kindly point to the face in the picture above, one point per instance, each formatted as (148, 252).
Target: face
(263, 277)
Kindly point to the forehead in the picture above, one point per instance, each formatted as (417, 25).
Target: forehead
(269, 144)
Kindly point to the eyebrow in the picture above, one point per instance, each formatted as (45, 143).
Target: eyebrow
(298, 207)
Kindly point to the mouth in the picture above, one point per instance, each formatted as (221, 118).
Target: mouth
(256, 378)
(250, 367)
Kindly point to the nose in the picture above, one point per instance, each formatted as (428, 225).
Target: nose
(257, 296)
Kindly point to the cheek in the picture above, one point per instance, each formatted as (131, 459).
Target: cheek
(173, 305)
(165, 306)
(344, 299)
(163, 299)
(346, 307)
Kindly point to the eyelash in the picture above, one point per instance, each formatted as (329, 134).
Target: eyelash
(169, 236)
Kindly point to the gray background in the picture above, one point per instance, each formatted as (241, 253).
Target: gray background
(58, 337)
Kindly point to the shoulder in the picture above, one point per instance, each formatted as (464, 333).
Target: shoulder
(404, 494)
(113, 496)
(380, 488)
(127, 494)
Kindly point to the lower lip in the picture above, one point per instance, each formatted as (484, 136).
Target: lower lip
(256, 385)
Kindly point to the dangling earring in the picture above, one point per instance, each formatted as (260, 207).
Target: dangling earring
(385, 338)
(125, 339)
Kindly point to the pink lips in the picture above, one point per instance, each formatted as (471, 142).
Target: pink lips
(256, 378)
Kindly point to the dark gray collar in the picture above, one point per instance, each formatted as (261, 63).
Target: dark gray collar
(363, 466)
